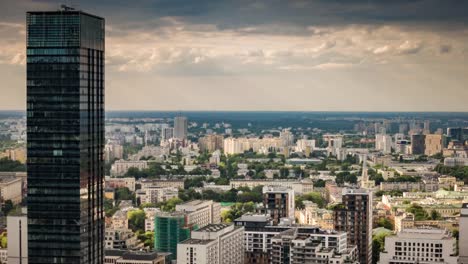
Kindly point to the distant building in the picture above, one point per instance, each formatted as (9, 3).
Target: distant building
(354, 216)
(434, 144)
(146, 183)
(180, 127)
(418, 144)
(167, 133)
(17, 230)
(128, 182)
(211, 143)
(154, 194)
(120, 167)
(425, 246)
(214, 243)
(383, 143)
(278, 202)
(112, 152)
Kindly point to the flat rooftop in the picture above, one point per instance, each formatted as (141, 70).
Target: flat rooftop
(213, 227)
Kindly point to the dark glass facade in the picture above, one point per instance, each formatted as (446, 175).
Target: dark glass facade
(65, 126)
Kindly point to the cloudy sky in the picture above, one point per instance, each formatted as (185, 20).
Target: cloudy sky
(306, 55)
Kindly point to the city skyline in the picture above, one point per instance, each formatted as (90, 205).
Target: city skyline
(290, 55)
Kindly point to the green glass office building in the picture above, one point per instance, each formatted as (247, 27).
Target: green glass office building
(170, 229)
(65, 130)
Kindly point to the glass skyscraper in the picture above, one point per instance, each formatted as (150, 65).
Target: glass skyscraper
(65, 130)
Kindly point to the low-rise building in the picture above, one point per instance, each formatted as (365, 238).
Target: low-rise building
(134, 257)
(128, 182)
(11, 189)
(120, 167)
(200, 213)
(425, 246)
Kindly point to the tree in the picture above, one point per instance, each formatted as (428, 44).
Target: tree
(169, 205)
(3, 240)
(123, 193)
(419, 213)
(7, 164)
(7, 206)
(136, 219)
(319, 183)
(237, 210)
(435, 215)
(385, 223)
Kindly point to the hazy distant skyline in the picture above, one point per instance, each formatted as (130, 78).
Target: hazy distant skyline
(317, 55)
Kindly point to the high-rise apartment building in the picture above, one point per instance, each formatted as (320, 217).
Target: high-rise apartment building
(167, 133)
(434, 144)
(180, 127)
(383, 142)
(65, 131)
(354, 216)
(211, 143)
(418, 144)
(278, 202)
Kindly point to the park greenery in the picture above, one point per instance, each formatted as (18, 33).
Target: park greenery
(7, 164)
(314, 197)
(237, 210)
(460, 172)
(420, 214)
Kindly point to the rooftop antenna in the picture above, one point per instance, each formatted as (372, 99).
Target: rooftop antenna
(66, 8)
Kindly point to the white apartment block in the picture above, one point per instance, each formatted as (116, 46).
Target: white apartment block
(240, 145)
(299, 187)
(383, 143)
(120, 167)
(201, 212)
(424, 246)
(155, 194)
(213, 244)
(146, 183)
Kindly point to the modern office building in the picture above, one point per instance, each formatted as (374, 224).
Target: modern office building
(424, 246)
(180, 127)
(65, 131)
(354, 216)
(213, 244)
(278, 202)
(434, 144)
(170, 229)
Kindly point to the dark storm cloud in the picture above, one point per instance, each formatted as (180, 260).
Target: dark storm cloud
(233, 14)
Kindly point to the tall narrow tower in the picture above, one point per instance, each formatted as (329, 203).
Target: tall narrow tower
(355, 218)
(65, 130)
